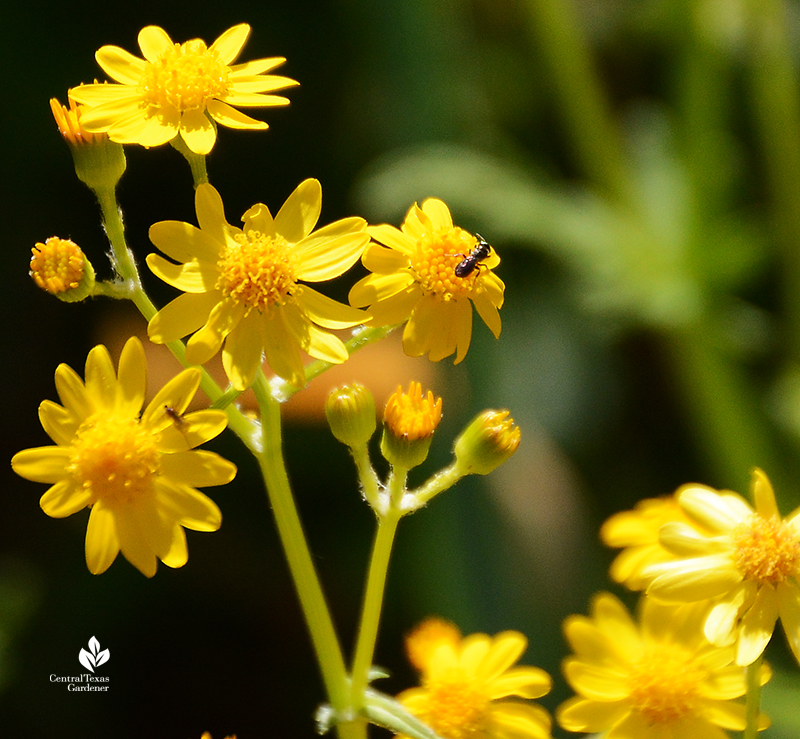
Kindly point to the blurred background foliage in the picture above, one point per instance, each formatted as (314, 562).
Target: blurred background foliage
(636, 165)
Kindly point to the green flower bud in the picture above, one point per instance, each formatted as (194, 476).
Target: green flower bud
(351, 414)
(486, 443)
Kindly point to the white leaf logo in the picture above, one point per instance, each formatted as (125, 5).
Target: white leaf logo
(95, 656)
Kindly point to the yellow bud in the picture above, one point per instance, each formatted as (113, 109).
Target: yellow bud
(62, 269)
(486, 443)
(351, 414)
(424, 639)
(99, 162)
(409, 422)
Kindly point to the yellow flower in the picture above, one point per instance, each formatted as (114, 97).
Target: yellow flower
(60, 267)
(242, 286)
(409, 422)
(421, 643)
(178, 89)
(464, 682)
(748, 563)
(658, 679)
(636, 533)
(136, 473)
(68, 121)
(414, 277)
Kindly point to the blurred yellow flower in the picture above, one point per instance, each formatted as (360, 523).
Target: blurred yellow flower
(464, 682)
(749, 563)
(422, 641)
(242, 286)
(137, 473)
(178, 89)
(636, 533)
(658, 679)
(414, 277)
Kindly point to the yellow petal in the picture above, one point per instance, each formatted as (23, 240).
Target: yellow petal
(258, 218)
(72, 392)
(102, 545)
(326, 312)
(488, 312)
(789, 594)
(198, 131)
(65, 498)
(184, 242)
(579, 714)
(198, 468)
(192, 277)
(254, 100)
(686, 541)
(717, 513)
(300, 213)
(178, 553)
(154, 41)
(322, 345)
(257, 83)
(518, 721)
(506, 648)
(764, 496)
(141, 533)
(206, 342)
(282, 349)
(694, 579)
(526, 682)
(376, 288)
(211, 214)
(183, 316)
(395, 309)
(243, 351)
(438, 213)
(101, 379)
(394, 238)
(384, 260)
(132, 382)
(722, 617)
(757, 626)
(120, 65)
(188, 507)
(332, 250)
(599, 682)
(255, 67)
(125, 98)
(230, 43)
(59, 424)
(157, 129)
(175, 394)
(225, 115)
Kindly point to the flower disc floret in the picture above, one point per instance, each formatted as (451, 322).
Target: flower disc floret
(135, 470)
(179, 90)
(244, 289)
(414, 279)
(60, 267)
(745, 561)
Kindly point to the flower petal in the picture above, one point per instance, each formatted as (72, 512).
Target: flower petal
(206, 342)
(230, 43)
(300, 213)
(394, 238)
(132, 382)
(191, 277)
(757, 626)
(102, 545)
(282, 349)
(518, 721)
(580, 714)
(506, 648)
(198, 468)
(65, 498)
(332, 250)
(42, 464)
(59, 424)
(688, 580)
(154, 41)
(101, 379)
(197, 131)
(228, 116)
(120, 65)
(184, 242)
(526, 682)
(183, 316)
(717, 513)
(326, 312)
(189, 507)
(244, 347)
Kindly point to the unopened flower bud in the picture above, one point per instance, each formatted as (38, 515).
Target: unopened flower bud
(409, 422)
(99, 162)
(62, 269)
(486, 443)
(351, 414)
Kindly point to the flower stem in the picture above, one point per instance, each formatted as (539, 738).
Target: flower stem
(753, 699)
(290, 530)
(376, 585)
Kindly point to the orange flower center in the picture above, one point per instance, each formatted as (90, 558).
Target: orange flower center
(457, 705)
(411, 415)
(435, 259)
(664, 685)
(766, 550)
(185, 77)
(258, 271)
(116, 458)
(57, 265)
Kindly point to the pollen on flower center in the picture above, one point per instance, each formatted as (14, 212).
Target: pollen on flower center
(664, 685)
(435, 259)
(257, 271)
(57, 265)
(116, 458)
(457, 705)
(185, 77)
(766, 550)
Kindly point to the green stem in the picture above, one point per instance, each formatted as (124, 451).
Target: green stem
(753, 699)
(440, 482)
(376, 585)
(312, 600)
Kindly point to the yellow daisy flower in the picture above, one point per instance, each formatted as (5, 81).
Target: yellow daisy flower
(464, 682)
(242, 286)
(636, 533)
(178, 89)
(417, 274)
(137, 473)
(656, 679)
(749, 564)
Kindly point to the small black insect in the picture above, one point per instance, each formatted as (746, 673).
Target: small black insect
(472, 261)
(176, 417)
